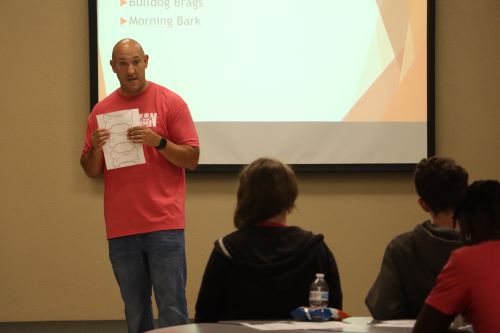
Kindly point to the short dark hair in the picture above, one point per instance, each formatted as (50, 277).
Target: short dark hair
(478, 214)
(440, 182)
(266, 188)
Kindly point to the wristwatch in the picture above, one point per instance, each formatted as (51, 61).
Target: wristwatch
(162, 144)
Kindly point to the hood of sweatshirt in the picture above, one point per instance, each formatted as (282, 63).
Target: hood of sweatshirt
(433, 245)
(269, 249)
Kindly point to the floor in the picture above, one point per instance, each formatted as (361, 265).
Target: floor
(107, 326)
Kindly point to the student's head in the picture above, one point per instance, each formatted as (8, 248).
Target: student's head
(266, 188)
(440, 183)
(478, 214)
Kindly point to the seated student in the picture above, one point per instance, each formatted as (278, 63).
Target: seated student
(263, 270)
(413, 260)
(469, 283)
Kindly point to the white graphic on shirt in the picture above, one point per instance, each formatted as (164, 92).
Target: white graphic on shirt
(148, 119)
(119, 152)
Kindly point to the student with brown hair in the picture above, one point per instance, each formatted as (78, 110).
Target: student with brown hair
(413, 259)
(263, 269)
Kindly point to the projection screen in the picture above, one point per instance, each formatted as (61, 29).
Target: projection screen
(318, 84)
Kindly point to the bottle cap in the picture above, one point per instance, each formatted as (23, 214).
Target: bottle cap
(320, 275)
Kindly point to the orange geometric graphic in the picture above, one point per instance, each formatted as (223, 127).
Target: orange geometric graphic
(399, 93)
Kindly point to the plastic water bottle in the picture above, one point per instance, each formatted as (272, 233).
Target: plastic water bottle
(318, 292)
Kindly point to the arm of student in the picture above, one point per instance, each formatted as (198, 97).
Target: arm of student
(182, 156)
(212, 293)
(386, 299)
(333, 279)
(92, 161)
(431, 320)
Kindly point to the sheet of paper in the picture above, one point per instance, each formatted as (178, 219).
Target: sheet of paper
(119, 152)
(394, 323)
(299, 325)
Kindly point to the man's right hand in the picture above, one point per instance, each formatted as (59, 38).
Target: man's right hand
(99, 138)
(93, 161)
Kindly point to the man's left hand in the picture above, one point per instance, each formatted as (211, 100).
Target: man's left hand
(143, 135)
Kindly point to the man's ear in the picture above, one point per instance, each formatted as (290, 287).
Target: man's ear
(424, 205)
(146, 59)
(112, 64)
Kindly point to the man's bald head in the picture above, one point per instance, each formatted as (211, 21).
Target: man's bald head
(126, 43)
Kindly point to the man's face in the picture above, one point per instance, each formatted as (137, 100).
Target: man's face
(129, 63)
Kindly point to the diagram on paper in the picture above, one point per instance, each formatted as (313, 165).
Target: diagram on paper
(119, 152)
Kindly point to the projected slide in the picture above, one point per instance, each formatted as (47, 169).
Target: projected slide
(309, 82)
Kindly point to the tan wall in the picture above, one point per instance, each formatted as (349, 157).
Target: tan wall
(53, 254)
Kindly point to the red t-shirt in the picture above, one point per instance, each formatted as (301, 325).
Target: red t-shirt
(146, 197)
(470, 284)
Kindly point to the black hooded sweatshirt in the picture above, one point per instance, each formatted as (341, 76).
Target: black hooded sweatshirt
(264, 273)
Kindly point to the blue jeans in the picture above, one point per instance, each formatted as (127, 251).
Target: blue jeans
(154, 260)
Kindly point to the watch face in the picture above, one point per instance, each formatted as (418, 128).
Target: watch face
(162, 144)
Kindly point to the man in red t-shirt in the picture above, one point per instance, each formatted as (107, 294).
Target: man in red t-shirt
(144, 203)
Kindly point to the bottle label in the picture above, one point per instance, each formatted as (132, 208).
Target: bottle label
(318, 296)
